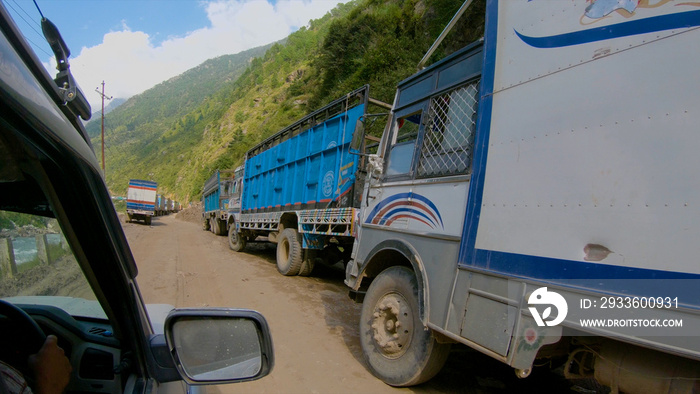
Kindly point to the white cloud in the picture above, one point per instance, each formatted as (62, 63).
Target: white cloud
(129, 63)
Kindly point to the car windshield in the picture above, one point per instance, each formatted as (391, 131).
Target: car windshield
(37, 266)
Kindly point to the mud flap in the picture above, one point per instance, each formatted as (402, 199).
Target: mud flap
(527, 341)
(313, 241)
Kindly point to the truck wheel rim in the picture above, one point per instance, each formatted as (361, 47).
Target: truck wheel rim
(392, 325)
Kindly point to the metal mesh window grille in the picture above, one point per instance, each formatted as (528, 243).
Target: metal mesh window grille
(448, 142)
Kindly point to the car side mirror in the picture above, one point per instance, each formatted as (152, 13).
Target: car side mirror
(215, 346)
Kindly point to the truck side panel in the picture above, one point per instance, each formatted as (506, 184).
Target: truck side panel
(584, 172)
(617, 185)
(211, 193)
(308, 170)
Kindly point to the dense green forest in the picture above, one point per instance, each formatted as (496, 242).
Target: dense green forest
(180, 131)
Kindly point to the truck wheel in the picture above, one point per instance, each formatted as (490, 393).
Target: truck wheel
(289, 252)
(236, 240)
(212, 225)
(307, 265)
(397, 347)
(205, 224)
(147, 220)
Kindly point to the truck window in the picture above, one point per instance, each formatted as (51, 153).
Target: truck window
(447, 145)
(401, 153)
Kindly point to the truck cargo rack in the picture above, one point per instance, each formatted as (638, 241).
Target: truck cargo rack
(334, 221)
(260, 221)
(356, 97)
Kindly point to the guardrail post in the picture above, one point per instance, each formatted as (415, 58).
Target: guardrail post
(42, 250)
(8, 267)
(64, 243)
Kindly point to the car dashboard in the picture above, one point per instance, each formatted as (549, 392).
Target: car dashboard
(88, 343)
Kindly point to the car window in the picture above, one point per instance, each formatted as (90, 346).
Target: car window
(38, 267)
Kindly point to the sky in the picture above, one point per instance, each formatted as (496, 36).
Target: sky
(132, 45)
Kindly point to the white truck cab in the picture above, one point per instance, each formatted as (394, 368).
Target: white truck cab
(534, 197)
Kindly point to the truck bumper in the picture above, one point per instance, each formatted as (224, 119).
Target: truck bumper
(134, 212)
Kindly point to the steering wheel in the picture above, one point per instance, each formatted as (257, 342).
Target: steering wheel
(20, 337)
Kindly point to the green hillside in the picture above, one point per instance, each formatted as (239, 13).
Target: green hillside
(180, 131)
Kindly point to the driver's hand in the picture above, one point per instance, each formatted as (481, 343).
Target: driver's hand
(51, 368)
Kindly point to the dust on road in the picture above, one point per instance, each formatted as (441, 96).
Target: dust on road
(314, 323)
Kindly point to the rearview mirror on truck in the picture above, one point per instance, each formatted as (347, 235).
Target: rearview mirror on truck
(358, 136)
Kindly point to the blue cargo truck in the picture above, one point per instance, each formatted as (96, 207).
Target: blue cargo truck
(160, 205)
(299, 188)
(221, 200)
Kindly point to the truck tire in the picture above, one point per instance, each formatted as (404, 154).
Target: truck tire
(236, 241)
(307, 265)
(205, 224)
(212, 225)
(289, 252)
(397, 347)
(147, 220)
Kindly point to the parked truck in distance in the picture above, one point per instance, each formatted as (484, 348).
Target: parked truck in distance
(221, 200)
(535, 197)
(141, 200)
(160, 205)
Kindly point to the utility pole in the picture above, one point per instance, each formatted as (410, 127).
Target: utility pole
(103, 123)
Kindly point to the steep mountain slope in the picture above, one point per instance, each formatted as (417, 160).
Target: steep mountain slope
(134, 125)
(110, 105)
(170, 136)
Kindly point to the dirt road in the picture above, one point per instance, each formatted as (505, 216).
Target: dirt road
(313, 322)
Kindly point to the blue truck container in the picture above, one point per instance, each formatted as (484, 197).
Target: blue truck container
(220, 201)
(299, 187)
(160, 205)
(311, 170)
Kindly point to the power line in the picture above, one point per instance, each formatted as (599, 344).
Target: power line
(28, 15)
(30, 24)
(38, 9)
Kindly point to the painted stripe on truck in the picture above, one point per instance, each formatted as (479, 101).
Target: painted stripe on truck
(142, 187)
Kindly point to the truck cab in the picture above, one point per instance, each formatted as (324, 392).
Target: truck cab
(415, 202)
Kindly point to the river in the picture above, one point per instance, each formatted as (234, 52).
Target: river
(25, 247)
